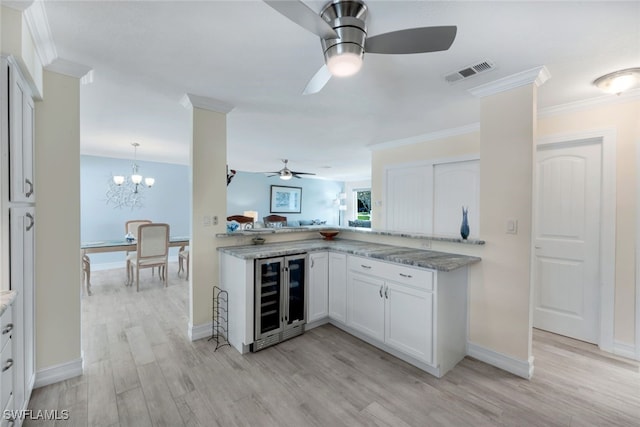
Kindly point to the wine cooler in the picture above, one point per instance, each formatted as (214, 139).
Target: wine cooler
(280, 299)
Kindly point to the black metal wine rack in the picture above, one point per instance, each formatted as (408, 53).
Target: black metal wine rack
(220, 322)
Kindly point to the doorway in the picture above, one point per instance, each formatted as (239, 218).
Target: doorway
(573, 237)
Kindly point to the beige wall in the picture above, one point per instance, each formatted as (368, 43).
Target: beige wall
(209, 199)
(624, 119)
(57, 177)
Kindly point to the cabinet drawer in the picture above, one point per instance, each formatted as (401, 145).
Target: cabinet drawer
(6, 374)
(6, 326)
(406, 275)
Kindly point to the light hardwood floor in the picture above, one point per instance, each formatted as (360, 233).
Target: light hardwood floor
(141, 370)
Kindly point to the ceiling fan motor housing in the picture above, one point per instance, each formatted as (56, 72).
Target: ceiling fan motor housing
(348, 20)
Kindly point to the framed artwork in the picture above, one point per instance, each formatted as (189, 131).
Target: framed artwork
(286, 199)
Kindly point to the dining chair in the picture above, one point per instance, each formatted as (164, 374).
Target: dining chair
(183, 256)
(244, 221)
(274, 221)
(152, 251)
(131, 226)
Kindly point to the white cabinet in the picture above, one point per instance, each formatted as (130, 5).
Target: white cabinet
(318, 294)
(17, 228)
(338, 287)
(7, 363)
(22, 281)
(21, 124)
(408, 320)
(365, 312)
(418, 315)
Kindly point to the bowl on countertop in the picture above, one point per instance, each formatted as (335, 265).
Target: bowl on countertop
(258, 240)
(329, 234)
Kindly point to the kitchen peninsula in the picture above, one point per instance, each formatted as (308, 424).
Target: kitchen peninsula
(409, 302)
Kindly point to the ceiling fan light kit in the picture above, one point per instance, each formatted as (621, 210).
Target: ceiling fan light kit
(344, 54)
(286, 174)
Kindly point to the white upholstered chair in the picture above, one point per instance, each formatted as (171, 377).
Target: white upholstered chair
(152, 251)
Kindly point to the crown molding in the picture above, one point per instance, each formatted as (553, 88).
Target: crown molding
(20, 5)
(189, 101)
(38, 23)
(71, 69)
(538, 76)
(586, 104)
(426, 137)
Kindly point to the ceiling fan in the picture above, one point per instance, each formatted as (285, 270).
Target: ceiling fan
(286, 173)
(342, 28)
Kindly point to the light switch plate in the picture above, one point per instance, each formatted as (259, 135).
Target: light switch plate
(511, 226)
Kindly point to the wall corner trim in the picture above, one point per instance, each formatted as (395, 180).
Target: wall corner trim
(198, 332)
(61, 372)
(71, 69)
(537, 76)
(189, 101)
(521, 368)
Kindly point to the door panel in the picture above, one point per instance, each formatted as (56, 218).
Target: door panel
(567, 240)
(365, 310)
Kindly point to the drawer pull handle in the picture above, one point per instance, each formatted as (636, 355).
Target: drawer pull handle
(30, 190)
(8, 365)
(7, 329)
(381, 291)
(408, 276)
(365, 266)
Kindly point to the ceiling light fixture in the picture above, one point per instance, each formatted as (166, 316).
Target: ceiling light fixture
(136, 178)
(618, 81)
(344, 54)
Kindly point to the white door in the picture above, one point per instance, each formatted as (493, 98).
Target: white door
(566, 271)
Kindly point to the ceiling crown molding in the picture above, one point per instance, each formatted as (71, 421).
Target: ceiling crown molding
(189, 100)
(587, 104)
(431, 136)
(38, 23)
(71, 69)
(537, 75)
(17, 4)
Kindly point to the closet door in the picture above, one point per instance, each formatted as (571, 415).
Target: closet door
(409, 198)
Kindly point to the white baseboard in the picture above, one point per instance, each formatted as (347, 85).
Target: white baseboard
(521, 368)
(57, 373)
(625, 350)
(199, 331)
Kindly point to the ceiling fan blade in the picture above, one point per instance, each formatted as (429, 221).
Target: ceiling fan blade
(304, 16)
(412, 40)
(317, 82)
(302, 173)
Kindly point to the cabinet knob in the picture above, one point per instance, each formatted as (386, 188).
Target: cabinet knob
(7, 365)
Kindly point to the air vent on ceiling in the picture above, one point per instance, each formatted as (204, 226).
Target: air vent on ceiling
(470, 71)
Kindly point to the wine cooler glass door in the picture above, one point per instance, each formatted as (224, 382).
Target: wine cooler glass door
(268, 298)
(296, 290)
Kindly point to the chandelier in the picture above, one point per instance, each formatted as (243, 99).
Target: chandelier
(126, 191)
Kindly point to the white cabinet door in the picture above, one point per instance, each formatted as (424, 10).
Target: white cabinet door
(409, 320)
(365, 305)
(338, 287)
(22, 280)
(21, 112)
(318, 302)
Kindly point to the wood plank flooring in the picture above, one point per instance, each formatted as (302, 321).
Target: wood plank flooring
(141, 370)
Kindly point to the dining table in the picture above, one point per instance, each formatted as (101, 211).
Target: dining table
(118, 245)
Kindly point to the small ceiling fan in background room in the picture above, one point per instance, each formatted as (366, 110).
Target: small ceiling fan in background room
(285, 173)
(341, 26)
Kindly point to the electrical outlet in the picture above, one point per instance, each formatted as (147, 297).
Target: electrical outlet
(426, 244)
(215, 220)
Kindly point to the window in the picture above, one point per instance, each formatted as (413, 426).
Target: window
(363, 204)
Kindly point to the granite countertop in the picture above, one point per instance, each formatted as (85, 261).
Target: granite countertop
(6, 298)
(441, 261)
(311, 228)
